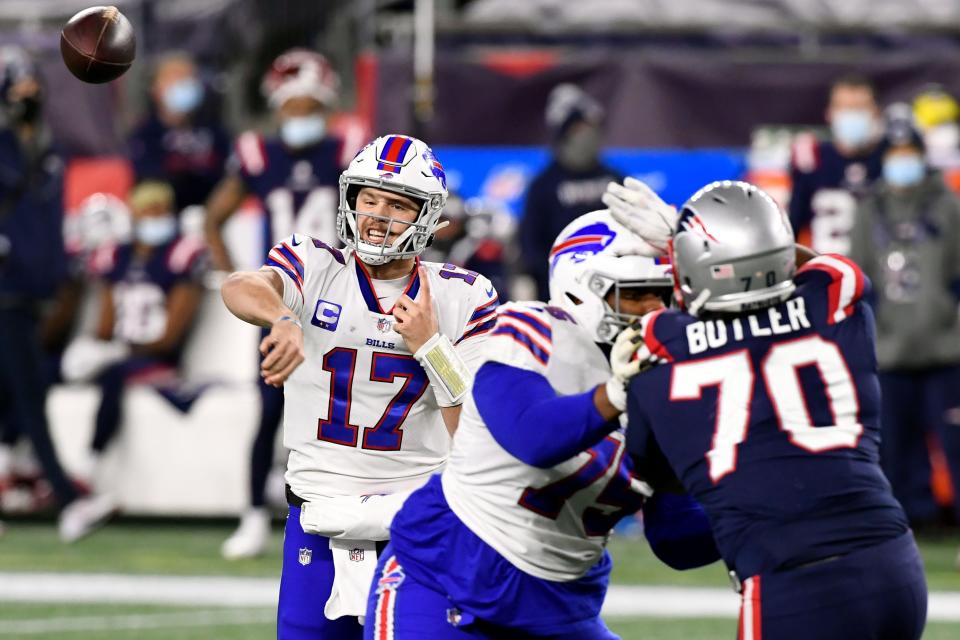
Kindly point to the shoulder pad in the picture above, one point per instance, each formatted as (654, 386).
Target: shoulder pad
(805, 152)
(844, 281)
(184, 252)
(252, 153)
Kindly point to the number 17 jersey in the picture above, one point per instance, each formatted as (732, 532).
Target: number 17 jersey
(359, 416)
(771, 421)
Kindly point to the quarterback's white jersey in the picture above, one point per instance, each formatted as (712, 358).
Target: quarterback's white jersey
(359, 414)
(552, 523)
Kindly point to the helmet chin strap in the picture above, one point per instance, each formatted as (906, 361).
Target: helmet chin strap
(698, 302)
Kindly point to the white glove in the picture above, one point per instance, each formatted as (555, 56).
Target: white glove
(637, 207)
(85, 358)
(628, 357)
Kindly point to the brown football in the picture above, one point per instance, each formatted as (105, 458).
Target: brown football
(98, 44)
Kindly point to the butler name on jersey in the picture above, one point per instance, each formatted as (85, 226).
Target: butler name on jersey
(360, 416)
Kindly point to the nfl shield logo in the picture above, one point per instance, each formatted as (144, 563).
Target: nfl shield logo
(356, 555)
(384, 325)
(306, 555)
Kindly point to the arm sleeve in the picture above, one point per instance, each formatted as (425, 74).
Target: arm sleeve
(289, 259)
(530, 421)
(678, 531)
(649, 462)
(841, 281)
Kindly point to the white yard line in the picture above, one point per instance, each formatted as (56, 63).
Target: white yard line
(206, 591)
(128, 622)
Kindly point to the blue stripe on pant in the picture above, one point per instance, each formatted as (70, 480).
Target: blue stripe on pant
(876, 593)
(305, 585)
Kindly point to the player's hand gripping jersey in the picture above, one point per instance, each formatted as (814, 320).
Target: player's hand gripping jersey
(785, 403)
(536, 516)
(360, 415)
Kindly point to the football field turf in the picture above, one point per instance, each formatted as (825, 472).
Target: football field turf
(47, 590)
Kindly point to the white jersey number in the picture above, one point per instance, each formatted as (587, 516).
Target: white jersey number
(387, 433)
(316, 218)
(733, 375)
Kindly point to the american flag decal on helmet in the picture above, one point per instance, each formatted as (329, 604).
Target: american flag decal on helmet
(392, 155)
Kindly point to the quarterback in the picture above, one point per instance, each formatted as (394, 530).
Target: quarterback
(374, 349)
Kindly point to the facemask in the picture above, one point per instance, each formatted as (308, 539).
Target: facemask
(302, 131)
(903, 171)
(852, 128)
(579, 149)
(183, 96)
(156, 231)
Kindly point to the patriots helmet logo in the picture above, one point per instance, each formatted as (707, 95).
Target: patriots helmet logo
(583, 243)
(690, 221)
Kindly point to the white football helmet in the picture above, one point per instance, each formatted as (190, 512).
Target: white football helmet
(403, 165)
(593, 255)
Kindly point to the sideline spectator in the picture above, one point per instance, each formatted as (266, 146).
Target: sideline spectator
(572, 183)
(178, 142)
(829, 176)
(907, 239)
(153, 288)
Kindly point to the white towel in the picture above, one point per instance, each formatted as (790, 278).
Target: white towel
(352, 517)
(354, 563)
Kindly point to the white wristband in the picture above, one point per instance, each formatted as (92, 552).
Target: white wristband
(446, 370)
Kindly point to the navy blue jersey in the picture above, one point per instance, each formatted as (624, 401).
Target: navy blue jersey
(556, 198)
(141, 284)
(32, 256)
(298, 189)
(192, 158)
(771, 421)
(826, 189)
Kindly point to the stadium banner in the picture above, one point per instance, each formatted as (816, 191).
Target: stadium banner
(500, 175)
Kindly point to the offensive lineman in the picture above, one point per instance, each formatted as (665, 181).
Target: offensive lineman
(381, 379)
(510, 539)
(782, 362)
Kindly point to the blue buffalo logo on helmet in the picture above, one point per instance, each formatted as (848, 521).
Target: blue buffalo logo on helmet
(583, 243)
(435, 167)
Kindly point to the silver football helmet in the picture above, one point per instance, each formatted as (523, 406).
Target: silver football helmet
(733, 250)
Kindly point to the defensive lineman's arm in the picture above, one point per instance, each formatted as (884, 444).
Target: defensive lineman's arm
(257, 297)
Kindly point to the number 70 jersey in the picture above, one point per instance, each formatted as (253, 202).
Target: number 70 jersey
(359, 415)
(771, 421)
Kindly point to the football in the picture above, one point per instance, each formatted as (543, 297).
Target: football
(98, 44)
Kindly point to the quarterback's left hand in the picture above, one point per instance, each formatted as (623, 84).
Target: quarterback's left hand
(637, 207)
(416, 320)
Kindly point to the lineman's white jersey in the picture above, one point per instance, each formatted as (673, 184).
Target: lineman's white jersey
(551, 523)
(359, 414)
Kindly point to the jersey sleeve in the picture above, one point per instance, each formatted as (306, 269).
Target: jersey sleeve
(837, 281)
(522, 337)
(289, 259)
(471, 344)
(249, 158)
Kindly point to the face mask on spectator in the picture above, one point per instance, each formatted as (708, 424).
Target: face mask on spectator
(903, 171)
(301, 131)
(578, 150)
(183, 96)
(155, 231)
(852, 128)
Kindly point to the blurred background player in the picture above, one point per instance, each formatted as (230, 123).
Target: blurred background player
(476, 239)
(789, 471)
(510, 539)
(907, 241)
(572, 183)
(828, 176)
(152, 290)
(32, 261)
(180, 142)
(375, 329)
(295, 177)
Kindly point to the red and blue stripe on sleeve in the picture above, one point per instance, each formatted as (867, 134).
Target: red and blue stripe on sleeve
(286, 259)
(482, 320)
(846, 286)
(527, 330)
